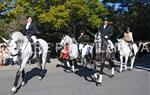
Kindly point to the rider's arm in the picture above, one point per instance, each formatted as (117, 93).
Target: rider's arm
(110, 33)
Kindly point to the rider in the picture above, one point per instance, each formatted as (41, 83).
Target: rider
(107, 32)
(128, 37)
(81, 37)
(30, 31)
(64, 55)
(64, 52)
(81, 41)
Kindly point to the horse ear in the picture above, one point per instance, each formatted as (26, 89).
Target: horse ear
(118, 40)
(5, 40)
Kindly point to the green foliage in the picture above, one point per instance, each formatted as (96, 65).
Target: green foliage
(8, 25)
(139, 15)
(137, 18)
(1, 6)
(57, 16)
(70, 16)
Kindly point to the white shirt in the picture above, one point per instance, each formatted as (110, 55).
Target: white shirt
(105, 26)
(27, 26)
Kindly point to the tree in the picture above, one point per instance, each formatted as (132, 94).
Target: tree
(70, 16)
(137, 18)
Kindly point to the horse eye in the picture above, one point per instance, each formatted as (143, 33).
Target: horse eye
(15, 48)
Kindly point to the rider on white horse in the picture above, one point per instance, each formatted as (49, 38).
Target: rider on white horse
(30, 31)
(128, 37)
(21, 52)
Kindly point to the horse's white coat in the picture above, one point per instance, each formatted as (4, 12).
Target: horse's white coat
(125, 51)
(21, 51)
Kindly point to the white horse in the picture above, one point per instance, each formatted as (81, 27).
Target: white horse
(86, 51)
(83, 49)
(21, 51)
(73, 50)
(126, 52)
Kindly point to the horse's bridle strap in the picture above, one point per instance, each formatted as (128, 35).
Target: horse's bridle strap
(13, 55)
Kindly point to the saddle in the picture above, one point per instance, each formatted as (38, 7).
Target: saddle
(130, 44)
(131, 48)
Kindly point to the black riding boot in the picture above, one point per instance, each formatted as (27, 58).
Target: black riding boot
(131, 48)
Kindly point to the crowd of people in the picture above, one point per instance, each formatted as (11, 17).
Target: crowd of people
(3, 53)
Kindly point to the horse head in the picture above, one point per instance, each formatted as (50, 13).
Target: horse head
(121, 44)
(98, 37)
(66, 39)
(13, 48)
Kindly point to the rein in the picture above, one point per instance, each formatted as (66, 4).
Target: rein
(13, 55)
(25, 46)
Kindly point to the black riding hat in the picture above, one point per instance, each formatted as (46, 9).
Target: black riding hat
(105, 18)
(128, 29)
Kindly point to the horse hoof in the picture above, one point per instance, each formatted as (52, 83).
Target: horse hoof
(73, 71)
(23, 83)
(98, 84)
(96, 78)
(112, 76)
(40, 78)
(129, 69)
(13, 91)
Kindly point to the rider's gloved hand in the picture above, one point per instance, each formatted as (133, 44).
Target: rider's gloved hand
(106, 37)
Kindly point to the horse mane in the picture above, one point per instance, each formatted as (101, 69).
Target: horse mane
(103, 40)
(18, 37)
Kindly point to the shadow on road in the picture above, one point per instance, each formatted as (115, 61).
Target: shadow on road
(143, 63)
(82, 71)
(34, 72)
(30, 74)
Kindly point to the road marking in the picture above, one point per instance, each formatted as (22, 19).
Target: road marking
(138, 70)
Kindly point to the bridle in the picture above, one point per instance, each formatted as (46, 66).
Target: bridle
(17, 54)
(20, 51)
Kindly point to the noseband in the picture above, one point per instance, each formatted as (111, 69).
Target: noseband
(13, 55)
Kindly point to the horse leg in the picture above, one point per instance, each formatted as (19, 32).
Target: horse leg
(94, 68)
(126, 60)
(132, 62)
(101, 73)
(44, 56)
(85, 62)
(121, 63)
(39, 60)
(14, 88)
(112, 68)
(23, 78)
(73, 65)
(68, 63)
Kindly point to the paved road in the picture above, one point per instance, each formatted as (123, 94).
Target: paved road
(59, 82)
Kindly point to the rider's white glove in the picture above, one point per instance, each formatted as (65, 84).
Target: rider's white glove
(106, 37)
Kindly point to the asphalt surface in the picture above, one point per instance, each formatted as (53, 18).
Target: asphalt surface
(60, 82)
